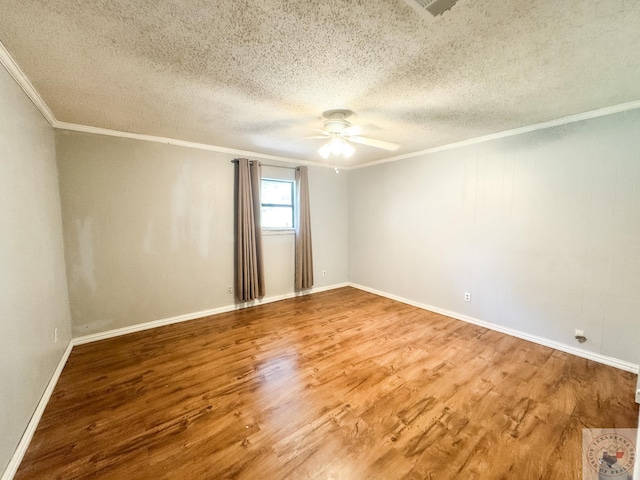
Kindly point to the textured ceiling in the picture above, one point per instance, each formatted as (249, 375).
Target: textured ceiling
(257, 76)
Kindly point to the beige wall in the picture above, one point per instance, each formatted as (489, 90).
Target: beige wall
(148, 231)
(543, 229)
(33, 290)
(328, 200)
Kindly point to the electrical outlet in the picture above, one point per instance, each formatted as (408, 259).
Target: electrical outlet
(229, 289)
(324, 273)
(467, 297)
(579, 333)
(55, 335)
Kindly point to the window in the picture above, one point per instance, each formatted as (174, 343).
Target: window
(277, 203)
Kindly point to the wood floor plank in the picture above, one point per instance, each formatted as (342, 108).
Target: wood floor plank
(340, 384)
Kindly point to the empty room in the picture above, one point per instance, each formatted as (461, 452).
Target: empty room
(387, 239)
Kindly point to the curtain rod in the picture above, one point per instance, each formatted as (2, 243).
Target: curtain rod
(268, 165)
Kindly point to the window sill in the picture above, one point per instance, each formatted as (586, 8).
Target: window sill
(278, 231)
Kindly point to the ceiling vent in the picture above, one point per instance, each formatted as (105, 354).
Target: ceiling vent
(434, 7)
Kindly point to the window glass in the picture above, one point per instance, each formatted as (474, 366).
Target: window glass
(277, 203)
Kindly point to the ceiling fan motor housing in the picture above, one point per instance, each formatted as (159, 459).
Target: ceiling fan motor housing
(336, 120)
(337, 131)
(336, 126)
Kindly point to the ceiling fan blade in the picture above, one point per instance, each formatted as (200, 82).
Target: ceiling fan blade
(360, 129)
(374, 143)
(322, 137)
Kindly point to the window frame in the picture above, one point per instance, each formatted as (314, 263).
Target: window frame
(279, 230)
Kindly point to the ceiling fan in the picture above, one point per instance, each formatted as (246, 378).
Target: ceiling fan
(340, 134)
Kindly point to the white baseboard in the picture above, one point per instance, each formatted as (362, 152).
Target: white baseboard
(18, 455)
(14, 463)
(596, 357)
(116, 332)
(94, 337)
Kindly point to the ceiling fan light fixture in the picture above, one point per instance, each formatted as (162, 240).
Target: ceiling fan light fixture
(347, 150)
(337, 146)
(325, 151)
(341, 136)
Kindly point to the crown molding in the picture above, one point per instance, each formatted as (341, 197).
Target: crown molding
(601, 112)
(183, 143)
(21, 79)
(14, 70)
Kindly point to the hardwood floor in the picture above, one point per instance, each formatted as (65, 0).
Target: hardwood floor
(336, 385)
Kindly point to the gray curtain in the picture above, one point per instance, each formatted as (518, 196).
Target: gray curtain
(249, 275)
(304, 257)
